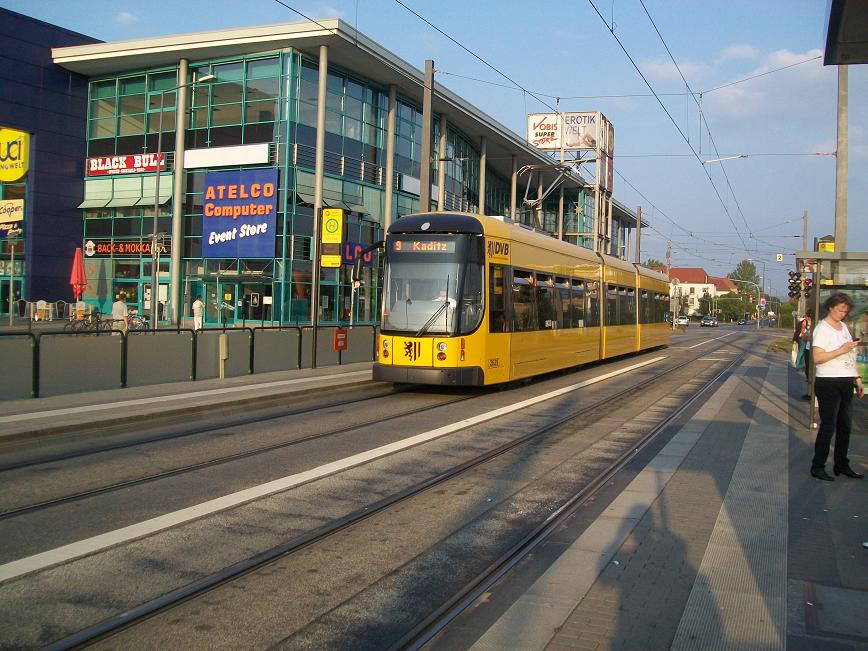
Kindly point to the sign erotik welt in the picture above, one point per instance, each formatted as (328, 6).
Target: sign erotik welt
(239, 214)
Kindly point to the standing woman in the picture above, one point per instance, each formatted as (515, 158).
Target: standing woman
(834, 353)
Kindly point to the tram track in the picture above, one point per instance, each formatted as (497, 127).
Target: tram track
(211, 463)
(426, 630)
(107, 628)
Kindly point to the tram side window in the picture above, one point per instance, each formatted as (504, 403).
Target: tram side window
(523, 303)
(611, 305)
(628, 313)
(545, 303)
(592, 312)
(497, 321)
(576, 309)
(562, 289)
(662, 308)
(647, 306)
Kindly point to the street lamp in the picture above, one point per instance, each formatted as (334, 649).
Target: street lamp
(155, 235)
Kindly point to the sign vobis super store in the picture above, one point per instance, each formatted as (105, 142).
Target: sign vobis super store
(239, 214)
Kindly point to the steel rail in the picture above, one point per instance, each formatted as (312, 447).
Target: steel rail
(114, 625)
(237, 456)
(426, 630)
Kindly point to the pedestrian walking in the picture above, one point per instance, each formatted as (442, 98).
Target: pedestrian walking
(834, 353)
(120, 313)
(198, 311)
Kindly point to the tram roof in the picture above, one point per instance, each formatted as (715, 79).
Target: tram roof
(347, 48)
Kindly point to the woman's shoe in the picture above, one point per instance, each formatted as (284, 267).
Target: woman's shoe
(822, 474)
(849, 472)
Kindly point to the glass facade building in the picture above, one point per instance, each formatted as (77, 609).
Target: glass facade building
(265, 100)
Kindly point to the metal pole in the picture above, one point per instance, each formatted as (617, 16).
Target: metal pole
(319, 172)
(389, 181)
(11, 279)
(155, 273)
(483, 162)
(638, 234)
(841, 164)
(427, 123)
(174, 301)
(802, 306)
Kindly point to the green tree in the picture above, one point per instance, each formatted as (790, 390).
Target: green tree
(732, 306)
(745, 270)
(705, 304)
(654, 263)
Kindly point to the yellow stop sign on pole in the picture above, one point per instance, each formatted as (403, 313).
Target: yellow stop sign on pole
(332, 225)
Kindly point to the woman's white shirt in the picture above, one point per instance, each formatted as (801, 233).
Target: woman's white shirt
(830, 340)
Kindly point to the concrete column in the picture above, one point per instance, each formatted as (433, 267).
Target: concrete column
(427, 128)
(841, 163)
(390, 159)
(483, 162)
(441, 165)
(513, 189)
(178, 178)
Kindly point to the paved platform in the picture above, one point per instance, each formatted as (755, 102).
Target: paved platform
(33, 417)
(722, 541)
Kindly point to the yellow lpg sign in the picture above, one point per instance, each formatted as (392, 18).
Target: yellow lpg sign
(14, 154)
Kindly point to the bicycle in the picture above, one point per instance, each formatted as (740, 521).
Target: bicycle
(137, 322)
(91, 321)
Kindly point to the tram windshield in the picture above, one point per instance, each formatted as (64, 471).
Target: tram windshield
(434, 284)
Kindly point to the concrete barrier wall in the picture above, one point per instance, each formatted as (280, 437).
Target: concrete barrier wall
(360, 345)
(16, 380)
(208, 349)
(72, 363)
(275, 350)
(160, 356)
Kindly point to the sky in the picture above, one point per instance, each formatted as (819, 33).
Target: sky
(757, 67)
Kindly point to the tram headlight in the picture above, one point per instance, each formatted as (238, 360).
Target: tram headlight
(385, 344)
(441, 346)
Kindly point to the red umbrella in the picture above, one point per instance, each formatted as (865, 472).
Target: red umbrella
(77, 278)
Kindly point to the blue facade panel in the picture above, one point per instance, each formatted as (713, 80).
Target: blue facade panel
(50, 103)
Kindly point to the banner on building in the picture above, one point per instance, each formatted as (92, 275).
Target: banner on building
(133, 164)
(239, 214)
(11, 217)
(117, 248)
(577, 131)
(14, 154)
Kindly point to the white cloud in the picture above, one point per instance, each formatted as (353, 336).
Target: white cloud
(126, 18)
(739, 51)
(663, 70)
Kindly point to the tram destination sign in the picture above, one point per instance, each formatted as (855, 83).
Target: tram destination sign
(423, 246)
(239, 214)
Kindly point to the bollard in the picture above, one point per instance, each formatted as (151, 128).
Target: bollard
(223, 351)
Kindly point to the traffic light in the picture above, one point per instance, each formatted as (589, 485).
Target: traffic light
(807, 286)
(795, 284)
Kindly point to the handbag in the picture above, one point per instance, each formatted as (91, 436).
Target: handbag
(798, 355)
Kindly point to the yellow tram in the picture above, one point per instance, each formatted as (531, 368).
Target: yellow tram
(478, 300)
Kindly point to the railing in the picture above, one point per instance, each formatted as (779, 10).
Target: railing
(55, 362)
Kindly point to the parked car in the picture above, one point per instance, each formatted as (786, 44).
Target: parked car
(708, 321)
(682, 321)
(741, 322)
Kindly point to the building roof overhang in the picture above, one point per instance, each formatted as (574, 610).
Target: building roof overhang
(846, 32)
(347, 48)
